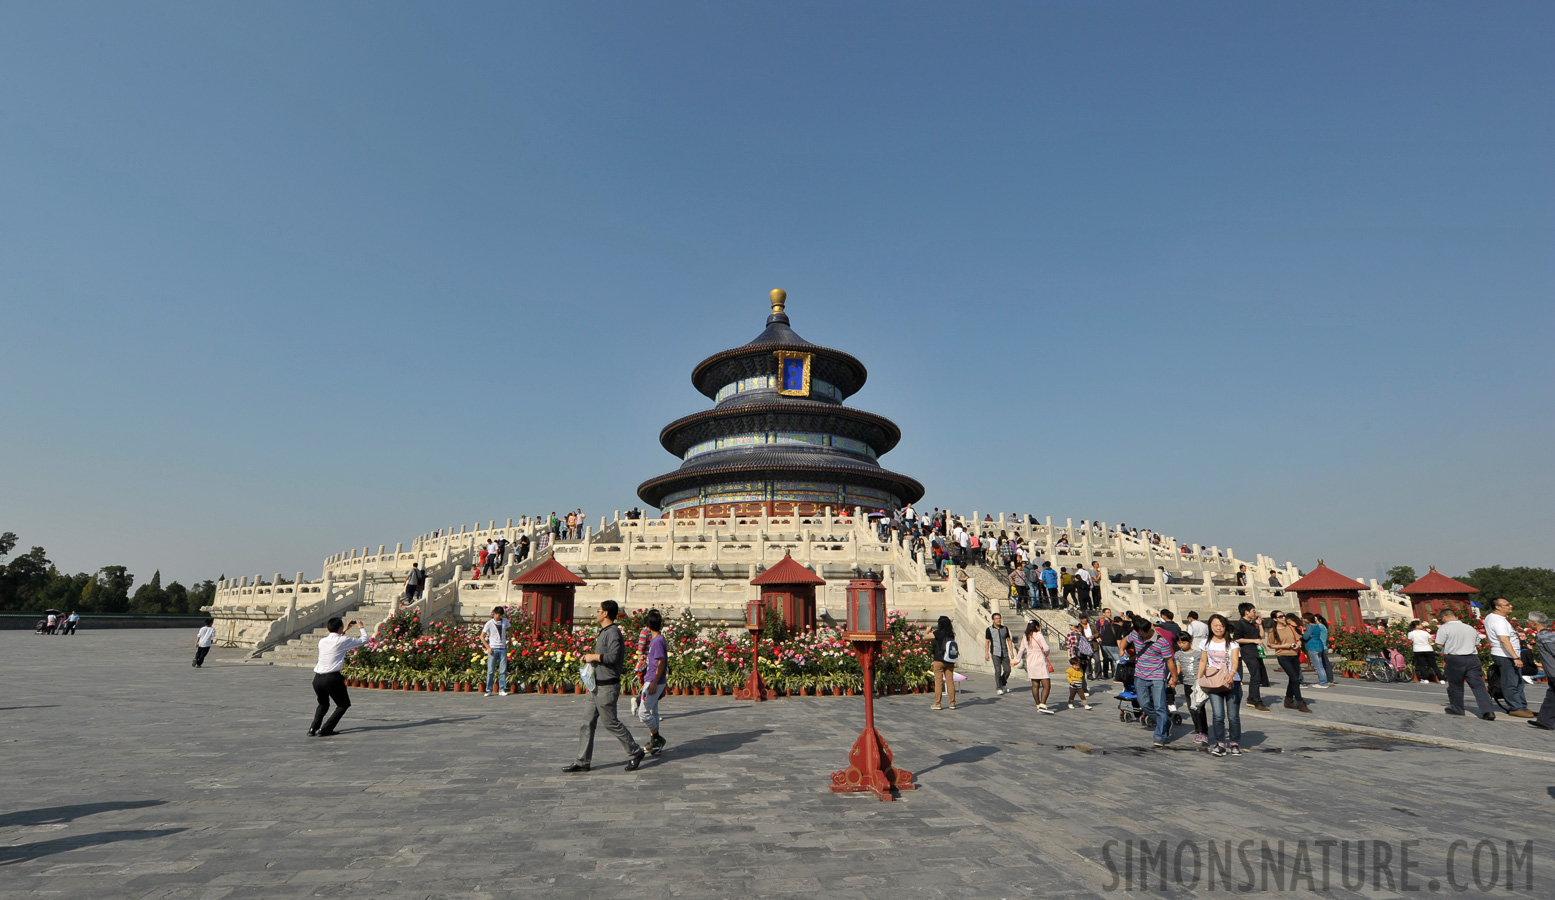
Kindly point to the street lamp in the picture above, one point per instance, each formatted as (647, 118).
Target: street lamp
(870, 765)
(755, 623)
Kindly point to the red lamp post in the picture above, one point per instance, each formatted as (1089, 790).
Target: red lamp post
(870, 766)
(755, 622)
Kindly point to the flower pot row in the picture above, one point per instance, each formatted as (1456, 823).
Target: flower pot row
(693, 691)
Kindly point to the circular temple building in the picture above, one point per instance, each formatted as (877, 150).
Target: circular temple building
(778, 439)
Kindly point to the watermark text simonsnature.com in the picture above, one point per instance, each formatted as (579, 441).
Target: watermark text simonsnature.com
(1318, 865)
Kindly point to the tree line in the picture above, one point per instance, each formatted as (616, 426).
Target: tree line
(31, 582)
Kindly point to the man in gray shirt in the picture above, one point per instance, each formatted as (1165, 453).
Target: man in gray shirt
(607, 658)
(997, 644)
(1460, 647)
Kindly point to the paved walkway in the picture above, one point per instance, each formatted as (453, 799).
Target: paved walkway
(129, 774)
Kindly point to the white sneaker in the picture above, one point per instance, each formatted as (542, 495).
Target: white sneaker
(1087, 706)
(999, 691)
(502, 693)
(485, 693)
(1043, 709)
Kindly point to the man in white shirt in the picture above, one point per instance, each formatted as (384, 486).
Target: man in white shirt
(495, 637)
(1082, 577)
(1197, 630)
(328, 683)
(1506, 650)
(202, 642)
(1460, 648)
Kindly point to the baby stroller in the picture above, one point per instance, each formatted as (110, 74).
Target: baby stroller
(1129, 709)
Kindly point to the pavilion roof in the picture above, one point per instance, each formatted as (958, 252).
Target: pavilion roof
(1323, 578)
(549, 572)
(787, 571)
(1435, 582)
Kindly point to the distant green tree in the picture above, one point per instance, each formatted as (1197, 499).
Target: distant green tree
(1527, 587)
(7, 543)
(1400, 576)
(25, 579)
(202, 594)
(175, 598)
(150, 599)
(109, 591)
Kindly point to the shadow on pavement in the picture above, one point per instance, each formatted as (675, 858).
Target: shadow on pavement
(715, 743)
(25, 852)
(41, 706)
(972, 754)
(54, 815)
(438, 720)
(697, 712)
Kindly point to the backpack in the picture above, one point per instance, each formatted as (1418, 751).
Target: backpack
(952, 652)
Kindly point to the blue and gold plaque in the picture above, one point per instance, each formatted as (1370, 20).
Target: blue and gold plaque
(793, 373)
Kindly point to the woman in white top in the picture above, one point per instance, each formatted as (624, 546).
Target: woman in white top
(1033, 647)
(1420, 641)
(1221, 653)
(328, 683)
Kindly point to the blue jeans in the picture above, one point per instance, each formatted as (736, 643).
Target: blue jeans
(1152, 697)
(1226, 716)
(1511, 681)
(497, 658)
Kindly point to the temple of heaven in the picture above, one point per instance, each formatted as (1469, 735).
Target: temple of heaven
(778, 439)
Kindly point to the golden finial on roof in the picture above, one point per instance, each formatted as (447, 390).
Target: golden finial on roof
(779, 296)
(1433, 568)
(1320, 560)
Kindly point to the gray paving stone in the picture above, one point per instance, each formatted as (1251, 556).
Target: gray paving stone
(129, 774)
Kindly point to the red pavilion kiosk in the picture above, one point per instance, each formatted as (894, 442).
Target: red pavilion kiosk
(790, 588)
(548, 590)
(1335, 597)
(1435, 592)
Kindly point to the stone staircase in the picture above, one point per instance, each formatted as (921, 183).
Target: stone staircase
(303, 650)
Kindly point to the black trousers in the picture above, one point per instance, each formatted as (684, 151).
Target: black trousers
(1425, 667)
(1255, 676)
(199, 656)
(330, 686)
(1463, 670)
(1292, 667)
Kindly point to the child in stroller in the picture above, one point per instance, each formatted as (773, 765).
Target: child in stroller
(1129, 709)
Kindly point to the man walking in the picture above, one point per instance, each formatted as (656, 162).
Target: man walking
(1460, 646)
(1155, 670)
(1248, 633)
(495, 637)
(607, 656)
(1049, 585)
(998, 649)
(1545, 641)
(1506, 651)
(202, 642)
(328, 683)
(413, 580)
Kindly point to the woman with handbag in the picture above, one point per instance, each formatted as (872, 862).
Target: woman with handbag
(1220, 679)
(1285, 640)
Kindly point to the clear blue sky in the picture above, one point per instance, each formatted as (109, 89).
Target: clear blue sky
(279, 279)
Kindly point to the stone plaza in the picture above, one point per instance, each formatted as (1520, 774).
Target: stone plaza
(131, 774)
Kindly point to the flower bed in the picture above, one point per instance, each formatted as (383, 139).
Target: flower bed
(1357, 642)
(449, 656)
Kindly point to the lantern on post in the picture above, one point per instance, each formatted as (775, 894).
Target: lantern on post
(870, 765)
(755, 623)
